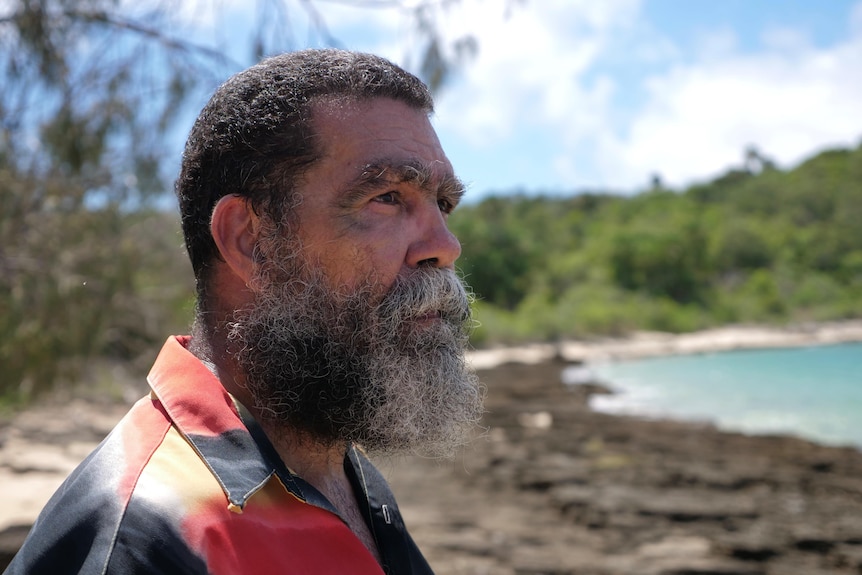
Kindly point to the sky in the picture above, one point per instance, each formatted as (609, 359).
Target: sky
(566, 96)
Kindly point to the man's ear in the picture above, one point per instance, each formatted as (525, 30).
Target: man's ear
(235, 227)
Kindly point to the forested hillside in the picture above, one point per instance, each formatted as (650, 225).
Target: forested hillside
(756, 245)
(106, 282)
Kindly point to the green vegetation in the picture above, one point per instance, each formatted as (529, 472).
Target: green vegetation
(77, 286)
(755, 245)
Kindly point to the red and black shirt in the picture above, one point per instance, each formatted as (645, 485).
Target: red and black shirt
(188, 483)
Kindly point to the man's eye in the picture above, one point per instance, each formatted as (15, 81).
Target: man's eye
(387, 198)
(445, 206)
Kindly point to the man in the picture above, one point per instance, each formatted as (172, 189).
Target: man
(314, 197)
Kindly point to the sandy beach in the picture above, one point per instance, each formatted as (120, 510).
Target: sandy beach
(553, 488)
(651, 344)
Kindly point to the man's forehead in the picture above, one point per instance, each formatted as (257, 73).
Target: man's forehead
(381, 141)
(337, 120)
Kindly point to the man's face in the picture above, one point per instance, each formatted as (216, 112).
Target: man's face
(359, 324)
(378, 200)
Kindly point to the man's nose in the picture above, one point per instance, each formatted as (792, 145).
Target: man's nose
(434, 245)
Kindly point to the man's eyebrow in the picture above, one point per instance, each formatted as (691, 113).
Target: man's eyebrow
(381, 173)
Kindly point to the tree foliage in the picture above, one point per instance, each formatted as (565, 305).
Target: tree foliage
(760, 245)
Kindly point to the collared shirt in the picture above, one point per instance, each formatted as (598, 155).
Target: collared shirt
(188, 483)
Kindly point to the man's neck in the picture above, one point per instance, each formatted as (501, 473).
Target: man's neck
(313, 460)
(322, 465)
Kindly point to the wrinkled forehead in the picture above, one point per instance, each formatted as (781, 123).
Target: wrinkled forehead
(380, 138)
(380, 117)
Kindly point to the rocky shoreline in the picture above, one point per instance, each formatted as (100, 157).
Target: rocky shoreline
(556, 489)
(553, 488)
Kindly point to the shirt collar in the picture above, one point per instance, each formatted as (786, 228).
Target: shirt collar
(231, 443)
(208, 417)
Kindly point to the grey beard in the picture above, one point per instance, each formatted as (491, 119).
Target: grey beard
(342, 368)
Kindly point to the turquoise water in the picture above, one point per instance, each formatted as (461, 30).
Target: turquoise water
(813, 392)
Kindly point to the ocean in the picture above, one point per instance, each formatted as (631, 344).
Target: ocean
(811, 392)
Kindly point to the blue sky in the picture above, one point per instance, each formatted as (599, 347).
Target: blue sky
(572, 95)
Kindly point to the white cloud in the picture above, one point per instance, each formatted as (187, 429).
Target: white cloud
(787, 101)
(529, 67)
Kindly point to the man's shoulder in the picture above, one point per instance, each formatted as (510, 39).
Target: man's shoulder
(86, 519)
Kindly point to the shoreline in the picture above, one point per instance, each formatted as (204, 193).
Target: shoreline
(579, 359)
(640, 345)
(555, 487)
